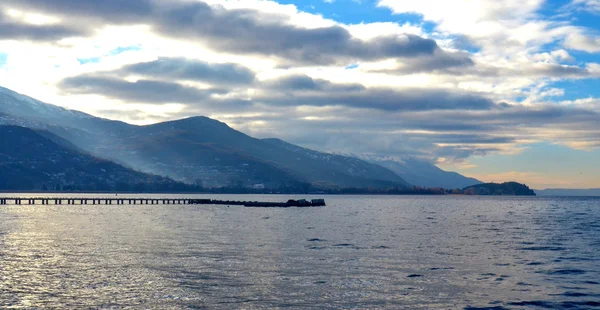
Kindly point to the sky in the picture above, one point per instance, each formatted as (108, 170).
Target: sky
(499, 90)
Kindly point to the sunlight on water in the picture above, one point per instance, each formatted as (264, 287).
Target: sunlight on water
(365, 252)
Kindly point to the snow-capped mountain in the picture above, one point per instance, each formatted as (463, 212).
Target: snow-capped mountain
(19, 105)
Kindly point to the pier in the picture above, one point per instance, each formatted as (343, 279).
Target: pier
(155, 201)
(91, 201)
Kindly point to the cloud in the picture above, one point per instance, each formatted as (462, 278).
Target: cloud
(505, 27)
(288, 83)
(465, 16)
(248, 31)
(375, 98)
(195, 70)
(532, 70)
(12, 29)
(291, 91)
(582, 42)
(427, 123)
(431, 134)
(482, 81)
(442, 62)
(592, 6)
(146, 91)
(115, 11)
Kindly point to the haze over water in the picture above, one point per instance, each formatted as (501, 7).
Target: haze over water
(358, 252)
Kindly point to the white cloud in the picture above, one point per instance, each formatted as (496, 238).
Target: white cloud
(33, 19)
(588, 5)
(273, 11)
(479, 18)
(582, 42)
(368, 31)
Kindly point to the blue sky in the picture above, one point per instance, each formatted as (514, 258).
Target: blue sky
(353, 12)
(3, 57)
(367, 11)
(500, 90)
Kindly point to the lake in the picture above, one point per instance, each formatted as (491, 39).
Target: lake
(394, 252)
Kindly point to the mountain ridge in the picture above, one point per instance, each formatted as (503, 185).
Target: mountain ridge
(196, 150)
(34, 160)
(425, 174)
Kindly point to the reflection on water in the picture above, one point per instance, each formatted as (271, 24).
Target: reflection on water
(358, 252)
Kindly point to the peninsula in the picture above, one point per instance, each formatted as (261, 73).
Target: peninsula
(496, 189)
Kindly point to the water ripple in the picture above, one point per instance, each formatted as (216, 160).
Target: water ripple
(400, 253)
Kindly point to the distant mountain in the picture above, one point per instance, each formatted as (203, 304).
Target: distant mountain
(504, 189)
(196, 150)
(31, 160)
(328, 168)
(591, 192)
(424, 174)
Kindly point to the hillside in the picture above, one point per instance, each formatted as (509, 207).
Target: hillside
(31, 160)
(193, 149)
(325, 167)
(196, 150)
(424, 174)
(504, 189)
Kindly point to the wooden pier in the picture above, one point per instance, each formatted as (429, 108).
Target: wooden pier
(154, 201)
(91, 201)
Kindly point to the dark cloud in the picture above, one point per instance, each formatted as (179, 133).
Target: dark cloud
(245, 31)
(112, 11)
(557, 70)
(392, 100)
(287, 91)
(459, 153)
(13, 30)
(471, 138)
(146, 91)
(504, 122)
(541, 70)
(441, 61)
(251, 32)
(324, 93)
(302, 82)
(188, 69)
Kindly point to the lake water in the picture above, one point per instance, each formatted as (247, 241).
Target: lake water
(394, 252)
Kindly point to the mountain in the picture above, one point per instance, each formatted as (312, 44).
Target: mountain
(424, 174)
(329, 167)
(31, 160)
(591, 192)
(208, 151)
(504, 189)
(81, 129)
(196, 150)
